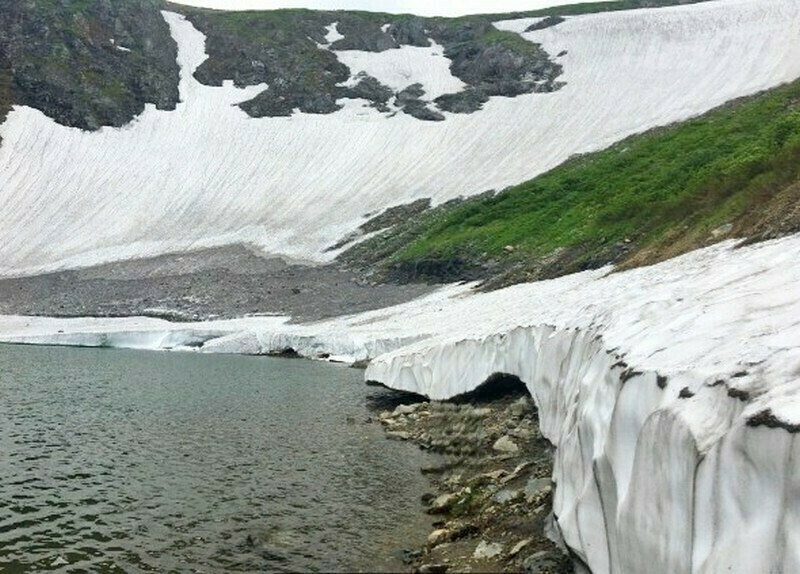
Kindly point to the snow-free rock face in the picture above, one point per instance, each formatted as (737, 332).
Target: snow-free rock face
(208, 174)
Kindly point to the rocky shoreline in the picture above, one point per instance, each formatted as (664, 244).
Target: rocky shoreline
(492, 492)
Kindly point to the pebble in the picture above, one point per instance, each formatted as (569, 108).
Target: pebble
(443, 503)
(487, 550)
(506, 445)
(520, 546)
(507, 495)
(536, 487)
(438, 536)
(433, 569)
(405, 410)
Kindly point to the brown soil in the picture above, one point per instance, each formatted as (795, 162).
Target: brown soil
(775, 215)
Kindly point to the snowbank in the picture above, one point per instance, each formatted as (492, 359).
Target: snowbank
(207, 174)
(672, 392)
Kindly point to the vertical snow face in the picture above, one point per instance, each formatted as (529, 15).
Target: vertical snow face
(677, 434)
(207, 174)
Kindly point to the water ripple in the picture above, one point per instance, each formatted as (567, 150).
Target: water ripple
(132, 462)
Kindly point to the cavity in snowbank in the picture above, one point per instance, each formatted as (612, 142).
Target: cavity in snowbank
(672, 393)
(206, 174)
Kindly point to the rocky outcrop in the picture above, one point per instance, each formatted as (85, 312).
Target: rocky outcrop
(87, 64)
(290, 52)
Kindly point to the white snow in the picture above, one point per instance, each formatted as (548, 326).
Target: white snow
(404, 66)
(207, 174)
(647, 481)
(332, 35)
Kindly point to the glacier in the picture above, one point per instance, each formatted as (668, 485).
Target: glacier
(207, 174)
(671, 392)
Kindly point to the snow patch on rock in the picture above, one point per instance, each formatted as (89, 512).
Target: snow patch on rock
(402, 67)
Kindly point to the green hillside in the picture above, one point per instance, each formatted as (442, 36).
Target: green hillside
(731, 172)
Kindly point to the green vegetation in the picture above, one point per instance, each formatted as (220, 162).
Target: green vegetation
(658, 193)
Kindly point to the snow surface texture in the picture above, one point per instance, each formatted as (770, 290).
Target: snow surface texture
(206, 174)
(653, 384)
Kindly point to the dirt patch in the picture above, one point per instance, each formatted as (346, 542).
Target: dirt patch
(214, 283)
(772, 215)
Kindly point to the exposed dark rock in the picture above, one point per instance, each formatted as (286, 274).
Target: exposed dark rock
(87, 64)
(368, 88)
(397, 214)
(768, 419)
(363, 32)
(628, 374)
(282, 48)
(410, 101)
(547, 22)
(685, 393)
(743, 396)
(464, 102)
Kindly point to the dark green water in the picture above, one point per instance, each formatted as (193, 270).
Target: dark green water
(165, 462)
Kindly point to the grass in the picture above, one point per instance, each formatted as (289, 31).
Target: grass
(688, 178)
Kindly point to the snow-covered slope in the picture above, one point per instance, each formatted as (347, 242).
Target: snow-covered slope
(207, 174)
(672, 393)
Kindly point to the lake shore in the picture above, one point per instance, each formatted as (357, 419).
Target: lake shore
(492, 493)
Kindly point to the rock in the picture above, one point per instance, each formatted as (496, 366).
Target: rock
(495, 474)
(443, 503)
(487, 550)
(509, 249)
(60, 561)
(453, 480)
(520, 407)
(722, 230)
(505, 445)
(520, 546)
(515, 473)
(398, 435)
(405, 410)
(537, 487)
(433, 569)
(540, 562)
(507, 495)
(522, 433)
(438, 536)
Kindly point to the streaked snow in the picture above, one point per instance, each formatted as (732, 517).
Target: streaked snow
(647, 481)
(207, 174)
